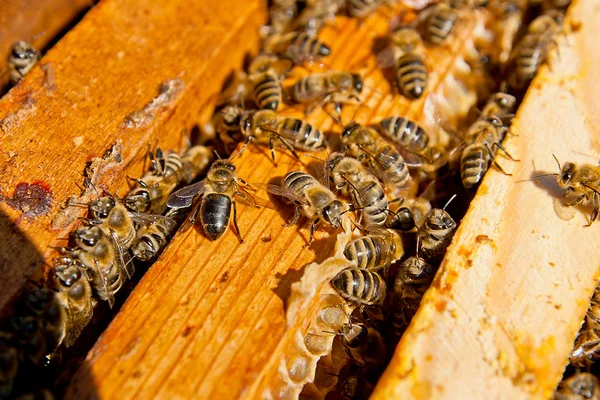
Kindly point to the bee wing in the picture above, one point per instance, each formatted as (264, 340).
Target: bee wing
(279, 191)
(411, 158)
(184, 197)
(123, 258)
(104, 279)
(386, 58)
(149, 219)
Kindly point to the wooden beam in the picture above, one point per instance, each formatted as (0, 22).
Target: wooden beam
(501, 316)
(126, 77)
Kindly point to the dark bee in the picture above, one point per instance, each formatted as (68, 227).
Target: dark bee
(361, 286)
(436, 233)
(587, 345)
(9, 364)
(44, 305)
(581, 386)
(216, 193)
(364, 345)
(21, 60)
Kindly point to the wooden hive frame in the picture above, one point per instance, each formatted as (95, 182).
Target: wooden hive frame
(216, 330)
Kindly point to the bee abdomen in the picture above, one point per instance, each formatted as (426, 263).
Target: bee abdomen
(215, 212)
(440, 25)
(267, 91)
(474, 164)
(310, 45)
(394, 165)
(364, 252)
(360, 285)
(361, 8)
(308, 137)
(406, 132)
(375, 210)
(411, 75)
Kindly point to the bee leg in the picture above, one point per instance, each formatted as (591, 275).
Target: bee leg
(577, 201)
(235, 224)
(290, 148)
(596, 208)
(312, 231)
(499, 145)
(495, 162)
(295, 218)
(248, 140)
(272, 148)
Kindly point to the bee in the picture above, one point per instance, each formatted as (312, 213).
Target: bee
(367, 146)
(282, 14)
(362, 8)
(152, 239)
(436, 233)
(413, 280)
(467, 4)
(101, 261)
(405, 132)
(9, 366)
(195, 160)
(30, 338)
(350, 178)
(216, 193)
(378, 249)
(499, 104)
(439, 23)
(312, 199)
(74, 295)
(168, 165)
(228, 125)
(265, 75)
(581, 182)
(364, 345)
(532, 51)
(580, 386)
(410, 215)
(21, 60)
(361, 286)
(297, 46)
(411, 71)
(482, 139)
(587, 345)
(265, 126)
(318, 12)
(329, 87)
(43, 304)
(355, 387)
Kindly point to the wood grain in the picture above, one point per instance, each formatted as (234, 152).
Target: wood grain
(37, 21)
(500, 318)
(76, 104)
(208, 319)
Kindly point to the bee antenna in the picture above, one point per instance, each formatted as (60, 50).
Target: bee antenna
(316, 158)
(557, 162)
(418, 245)
(449, 201)
(217, 154)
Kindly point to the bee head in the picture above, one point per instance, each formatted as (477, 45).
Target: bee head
(333, 160)
(505, 101)
(354, 334)
(68, 276)
(357, 82)
(221, 171)
(100, 208)
(416, 267)
(567, 173)
(403, 220)
(23, 51)
(88, 236)
(332, 213)
(439, 219)
(350, 129)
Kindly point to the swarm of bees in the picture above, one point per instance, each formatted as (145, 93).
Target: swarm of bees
(399, 240)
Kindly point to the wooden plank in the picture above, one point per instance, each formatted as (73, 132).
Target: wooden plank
(208, 319)
(500, 318)
(75, 105)
(36, 21)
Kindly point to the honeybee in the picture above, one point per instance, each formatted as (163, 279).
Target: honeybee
(216, 193)
(355, 387)
(587, 345)
(297, 46)
(532, 51)
(195, 160)
(405, 132)
(482, 139)
(329, 87)
(410, 215)
(282, 14)
(411, 71)
(99, 256)
(74, 295)
(439, 23)
(362, 8)
(318, 12)
(152, 239)
(228, 124)
(350, 178)
(168, 165)
(9, 367)
(265, 75)
(21, 60)
(367, 146)
(581, 386)
(499, 104)
(436, 233)
(413, 280)
(364, 345)
(378, 249)
(361, 286)
(265, 126)
(581, 182)
(312, 199)
(30, 338)
(43, 304)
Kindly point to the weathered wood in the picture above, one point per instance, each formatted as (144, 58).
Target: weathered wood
(98, 88)
(37, 21)
(208, 318)
(500, 318)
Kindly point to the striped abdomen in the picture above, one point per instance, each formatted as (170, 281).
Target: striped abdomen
(367, 252)
(474, 163)
(360, 286)
(297, 182)
(406, 133)
(215, 212)
(152, 239)
(230, 128)
(309, 88)
(303, 45)
(411, 75)
(532, 52)
(392, 163)
(371, 198)
(302, 134)
(267, 90)
(173, 165)
(361, 8)
(439, 25)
